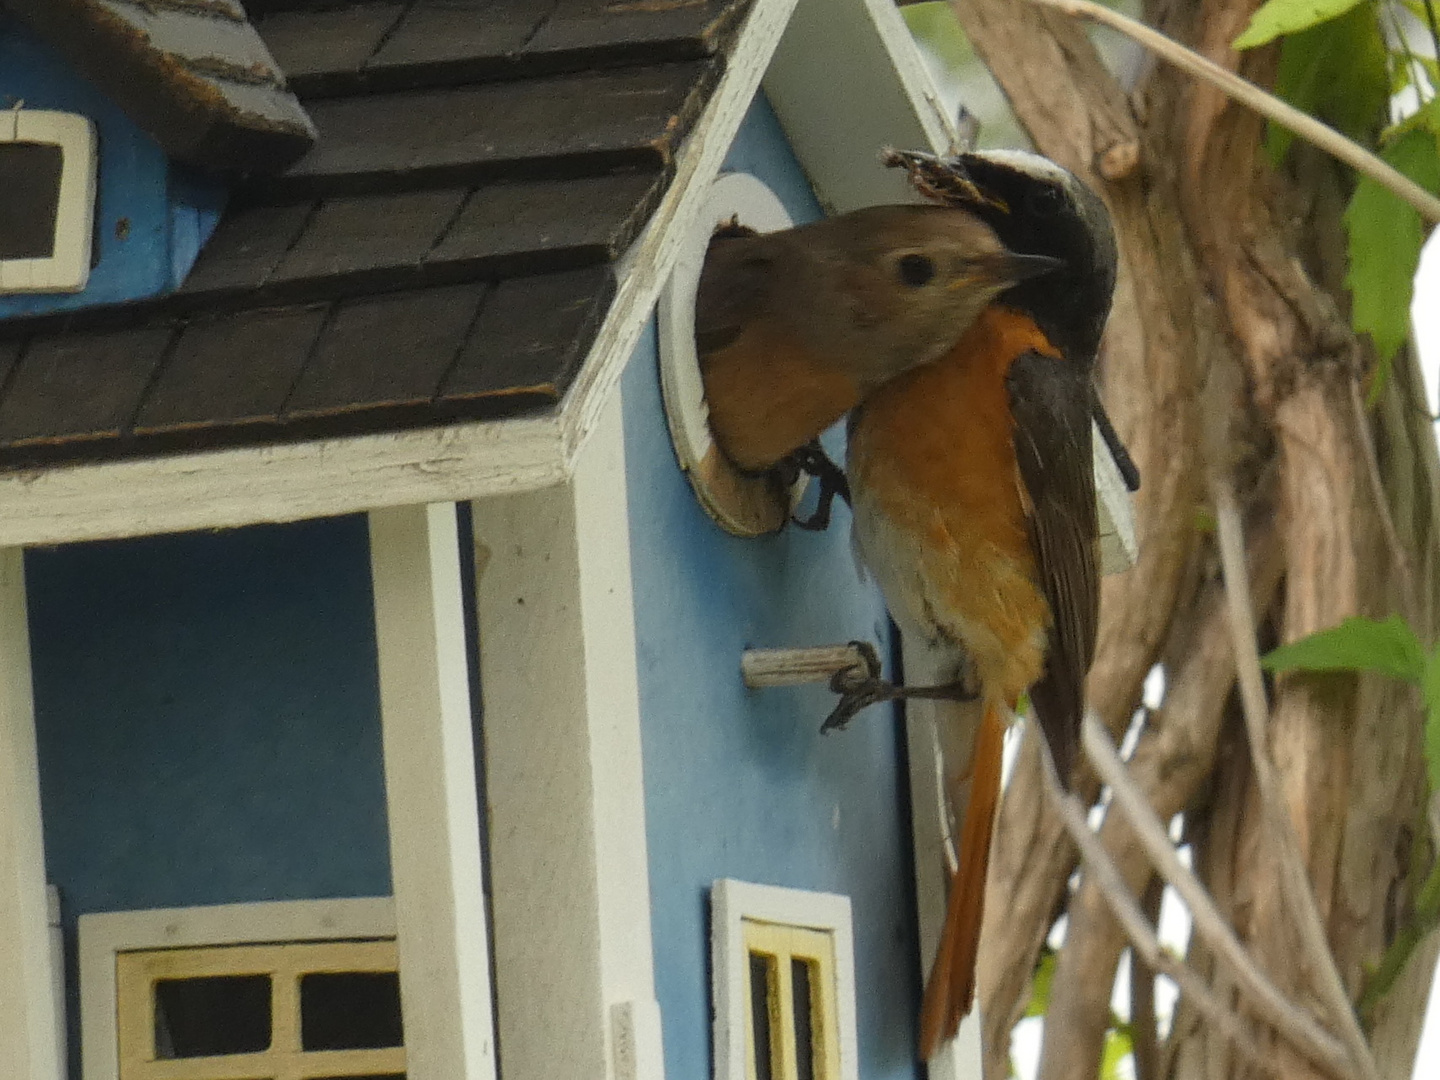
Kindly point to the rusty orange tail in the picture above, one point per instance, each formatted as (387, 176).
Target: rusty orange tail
(950, 990)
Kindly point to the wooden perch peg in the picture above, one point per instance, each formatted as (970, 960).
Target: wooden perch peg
(796, 667)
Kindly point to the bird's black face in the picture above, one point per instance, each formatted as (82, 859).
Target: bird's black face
(1036, 208)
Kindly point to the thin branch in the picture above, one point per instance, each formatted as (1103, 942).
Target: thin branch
(1144, 1037)
(1143, 938)
(1297, 1025)
(1266, 104)
(1294, 879)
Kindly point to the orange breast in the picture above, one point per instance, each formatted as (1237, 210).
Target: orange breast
(768, 396)
(933, 453)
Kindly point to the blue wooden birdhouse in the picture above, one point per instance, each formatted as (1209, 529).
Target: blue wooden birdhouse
(370, 693)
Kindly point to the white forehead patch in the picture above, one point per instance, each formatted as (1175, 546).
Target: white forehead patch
(1031, 164)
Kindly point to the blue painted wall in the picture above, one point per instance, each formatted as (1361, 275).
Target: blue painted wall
(208, 718)
(150, 219)
(738, 783)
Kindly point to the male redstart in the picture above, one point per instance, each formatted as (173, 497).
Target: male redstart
(974, 502)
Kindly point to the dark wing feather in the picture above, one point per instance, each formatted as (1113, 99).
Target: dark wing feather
(1052, 401)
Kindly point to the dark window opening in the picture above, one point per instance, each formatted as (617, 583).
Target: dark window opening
(202, 1017)
(29, 199)
(803, 994)
(353, 1010)
(762, 1002)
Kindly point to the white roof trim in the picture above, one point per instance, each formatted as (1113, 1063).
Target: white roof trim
(242, 486)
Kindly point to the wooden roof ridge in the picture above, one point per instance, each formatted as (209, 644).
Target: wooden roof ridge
(193, 74)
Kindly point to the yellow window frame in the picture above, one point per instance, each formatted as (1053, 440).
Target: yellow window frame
(781, 944)
(136, 974)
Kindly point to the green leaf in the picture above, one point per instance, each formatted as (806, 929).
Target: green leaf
(1386, 235)
(1040, 984)
(1118, 1046)
(1338, 71)
(1430, 688)
(1357, 644)
(1288, 17)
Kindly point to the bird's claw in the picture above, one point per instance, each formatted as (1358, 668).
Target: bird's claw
(861, 686)
(812, 460)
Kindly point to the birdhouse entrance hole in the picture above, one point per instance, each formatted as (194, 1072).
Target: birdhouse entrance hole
(744, 504)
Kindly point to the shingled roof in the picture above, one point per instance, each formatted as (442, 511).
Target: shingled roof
(445, 252)
(194, 74)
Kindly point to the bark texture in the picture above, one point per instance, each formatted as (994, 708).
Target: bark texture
(1225, 264)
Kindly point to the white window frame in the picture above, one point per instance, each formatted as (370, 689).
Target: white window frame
(67, 270)
(103, 937)
(731, 904)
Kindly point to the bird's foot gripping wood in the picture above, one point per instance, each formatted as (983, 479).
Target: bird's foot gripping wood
(862, 685)
(812, 460)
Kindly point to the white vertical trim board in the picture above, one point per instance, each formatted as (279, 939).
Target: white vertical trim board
(103, 937)
(564, 778)
(939, 736)
(57, 972)
(731, 903)
(28, 1021)
(430, 794)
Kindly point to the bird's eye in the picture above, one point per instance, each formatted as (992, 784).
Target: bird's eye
(916, 270)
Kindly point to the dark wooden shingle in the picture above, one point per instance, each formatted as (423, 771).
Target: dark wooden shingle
(526, 225)
(561, 127)
(632, 28)
(246, 247)
(80, 386)
(232, 369)
(349, 236)
(530, 336)
(309, 45)
(461, 31)
(386, 350)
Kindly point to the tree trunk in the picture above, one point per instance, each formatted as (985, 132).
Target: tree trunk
(1225, 263)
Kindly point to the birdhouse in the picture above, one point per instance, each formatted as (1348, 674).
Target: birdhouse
(370, 700)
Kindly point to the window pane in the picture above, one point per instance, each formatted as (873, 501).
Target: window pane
(30, 179)
(201, 1017)
(353, 1010)
(762, 994)
(800, 971)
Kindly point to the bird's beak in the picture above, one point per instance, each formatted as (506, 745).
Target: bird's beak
(1011, 267)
